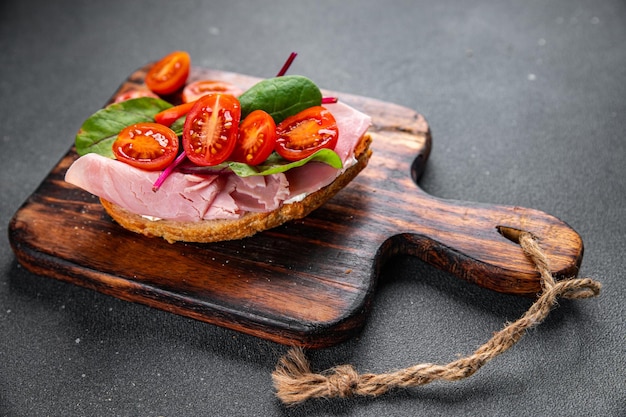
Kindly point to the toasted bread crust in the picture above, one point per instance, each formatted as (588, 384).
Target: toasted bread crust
(218, 230)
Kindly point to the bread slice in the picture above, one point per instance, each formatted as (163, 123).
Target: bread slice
(219, 230)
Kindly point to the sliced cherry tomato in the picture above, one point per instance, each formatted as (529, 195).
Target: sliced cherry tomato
(148, 146)
(305, 133)
(169, 116)
(127, 95)
(170, 73)
(256, 140)
(210, 132)
(197, 89)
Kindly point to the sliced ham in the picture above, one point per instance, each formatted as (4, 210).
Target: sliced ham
(352, 124)
(187, 197)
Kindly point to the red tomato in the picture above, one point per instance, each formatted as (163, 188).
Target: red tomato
(256, 140)
(169, 116)
(210, 132)
(127, 95)
(305, 133)
(197, 89)
(148, 146)
(170, 73)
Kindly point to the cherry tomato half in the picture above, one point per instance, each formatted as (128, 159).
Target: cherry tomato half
(127, 95)
(149, 146)
(197, 89)
(303, 134)
(170, 73)
(169, 116)
(257, 136)
(210, 131)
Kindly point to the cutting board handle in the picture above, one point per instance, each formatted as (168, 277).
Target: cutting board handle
(479, 242)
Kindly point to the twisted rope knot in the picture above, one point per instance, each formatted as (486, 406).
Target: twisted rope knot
(342, 382)
(295, 382)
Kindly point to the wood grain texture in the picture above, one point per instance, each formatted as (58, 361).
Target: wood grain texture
(309, 282)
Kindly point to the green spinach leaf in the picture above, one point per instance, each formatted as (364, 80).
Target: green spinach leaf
(281, 97)
(273, 165)
(100, 130)
(178, 125)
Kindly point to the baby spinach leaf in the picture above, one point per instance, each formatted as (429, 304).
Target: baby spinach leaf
(276, 164)
(281, 97)
(100, 130)
(273, 165)
(178, 125)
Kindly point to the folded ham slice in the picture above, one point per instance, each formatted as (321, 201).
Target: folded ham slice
(186, 197)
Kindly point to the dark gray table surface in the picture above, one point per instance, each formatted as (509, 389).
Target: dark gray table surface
(527, 103)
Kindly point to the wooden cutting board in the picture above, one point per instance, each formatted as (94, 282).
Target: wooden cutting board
(309, 282)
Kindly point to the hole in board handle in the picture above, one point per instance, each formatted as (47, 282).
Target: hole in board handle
(510, 233)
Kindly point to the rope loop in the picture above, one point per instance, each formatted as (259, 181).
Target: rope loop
(295, 382)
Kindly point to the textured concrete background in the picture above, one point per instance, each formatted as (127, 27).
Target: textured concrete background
(526, 102)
